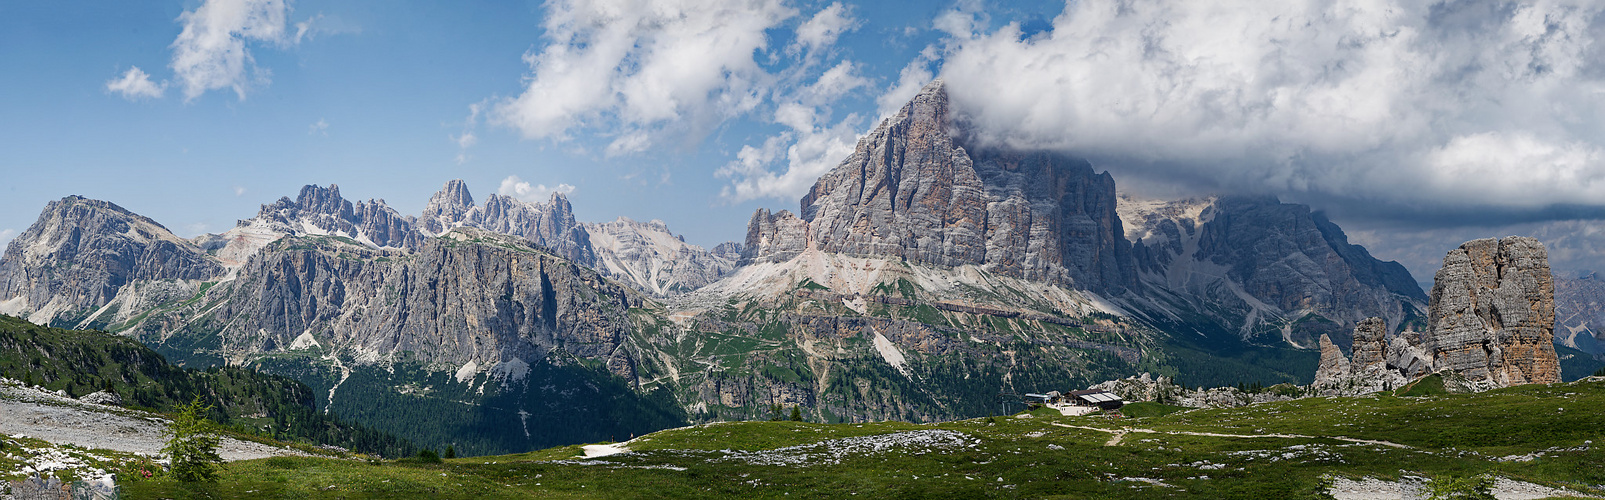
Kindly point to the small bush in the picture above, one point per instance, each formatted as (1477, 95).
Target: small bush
(451, 451)
(1450, 487)
(428, 456)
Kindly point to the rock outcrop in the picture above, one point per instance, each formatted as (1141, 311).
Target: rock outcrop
(912, 190)
(1492, 313)
(1333, 366)
(1146, 387)
(1370, 347)
(81, 253)
(1370, 370)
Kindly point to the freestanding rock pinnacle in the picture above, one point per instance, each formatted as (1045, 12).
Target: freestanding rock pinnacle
(1492, 313)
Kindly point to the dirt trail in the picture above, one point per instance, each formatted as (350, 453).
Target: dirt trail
(1120, 434)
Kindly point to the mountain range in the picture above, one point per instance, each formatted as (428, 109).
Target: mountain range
(924, 275)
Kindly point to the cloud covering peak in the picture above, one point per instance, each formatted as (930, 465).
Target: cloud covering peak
(1448, 106)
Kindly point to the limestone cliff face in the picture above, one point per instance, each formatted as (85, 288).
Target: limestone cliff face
(81, 253)
(913, 191)
(469, 296)
(1492, 314)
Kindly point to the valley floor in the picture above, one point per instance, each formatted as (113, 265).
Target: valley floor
(1530, 442)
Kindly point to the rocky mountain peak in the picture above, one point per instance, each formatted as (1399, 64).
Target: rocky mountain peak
(911, 191)
(321, 200)
(318, 211)
(447, 207)
(81, 252)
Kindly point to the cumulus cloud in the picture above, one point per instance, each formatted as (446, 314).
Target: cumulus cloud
(536, 193)
(809, 147)
(910, 80)
(631, 67)
(823, 29)
(320, 127)
(210, 53)
(135, 84)
(1448, 105)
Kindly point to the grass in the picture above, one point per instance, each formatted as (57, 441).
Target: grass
(1451, 436)
(1430, 385)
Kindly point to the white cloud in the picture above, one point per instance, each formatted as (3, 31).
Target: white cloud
(5, 237)
(210, 53)
(321, 127)
(823, 29)
(638, 66)
(464, 141)
(1453, 103)
(910, 80)
(239, 191)
(807, 154)
(135, 84)
(810, 147)
(538, 193)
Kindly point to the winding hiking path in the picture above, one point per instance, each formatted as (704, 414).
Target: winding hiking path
(1119, 434)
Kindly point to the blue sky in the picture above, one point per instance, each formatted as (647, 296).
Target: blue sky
(1416, 125)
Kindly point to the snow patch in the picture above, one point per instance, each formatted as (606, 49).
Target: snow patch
(602, 450)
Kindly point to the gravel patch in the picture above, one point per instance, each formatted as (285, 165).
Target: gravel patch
(1414, 488)
(31, 412)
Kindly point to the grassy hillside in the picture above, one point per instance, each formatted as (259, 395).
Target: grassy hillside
(82, 362)
(1540, 434)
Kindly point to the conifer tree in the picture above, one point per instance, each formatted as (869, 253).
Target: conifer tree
(191, 446)
(796, 414)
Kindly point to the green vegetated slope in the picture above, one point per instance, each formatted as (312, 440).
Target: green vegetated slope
(81, 362)
(1547, 435)
(806, 348)
(1575, 364)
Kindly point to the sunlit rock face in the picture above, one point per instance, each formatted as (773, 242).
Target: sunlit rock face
(1492, 313)
(82, 253)
(911, 190)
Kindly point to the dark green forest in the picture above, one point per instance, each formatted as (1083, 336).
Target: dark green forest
(81, 362)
